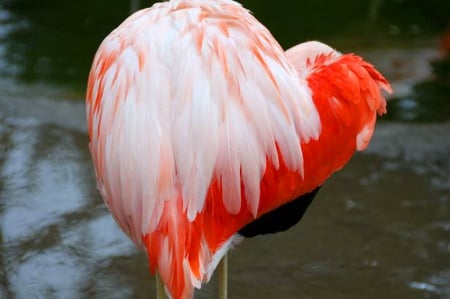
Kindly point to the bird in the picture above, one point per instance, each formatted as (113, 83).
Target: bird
(203, 130)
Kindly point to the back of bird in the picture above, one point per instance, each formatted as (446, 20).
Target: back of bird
(200, 123)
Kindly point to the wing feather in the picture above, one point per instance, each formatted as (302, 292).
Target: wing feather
(203, 101)
(182, 97)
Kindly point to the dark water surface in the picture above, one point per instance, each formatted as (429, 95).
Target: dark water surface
(379, 228)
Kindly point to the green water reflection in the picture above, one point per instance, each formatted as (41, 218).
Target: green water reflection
(430, 100)
(55, 40)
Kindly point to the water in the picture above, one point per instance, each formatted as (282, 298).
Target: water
(379, 228)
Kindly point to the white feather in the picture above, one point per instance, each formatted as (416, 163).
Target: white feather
(175, 113)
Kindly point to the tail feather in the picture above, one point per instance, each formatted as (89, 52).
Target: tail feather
(168, 252)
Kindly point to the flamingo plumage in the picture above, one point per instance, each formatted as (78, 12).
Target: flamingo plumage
(200, 123)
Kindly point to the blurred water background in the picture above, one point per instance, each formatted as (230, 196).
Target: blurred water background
(379, 228)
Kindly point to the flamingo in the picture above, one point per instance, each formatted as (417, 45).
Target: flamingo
(203, 130)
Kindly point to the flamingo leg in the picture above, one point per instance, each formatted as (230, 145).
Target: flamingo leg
(160, 293)
(223, 278)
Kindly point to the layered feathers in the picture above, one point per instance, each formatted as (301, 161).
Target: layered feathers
(199, 123)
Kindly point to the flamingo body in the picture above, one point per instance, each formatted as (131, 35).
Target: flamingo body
(200, 123)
